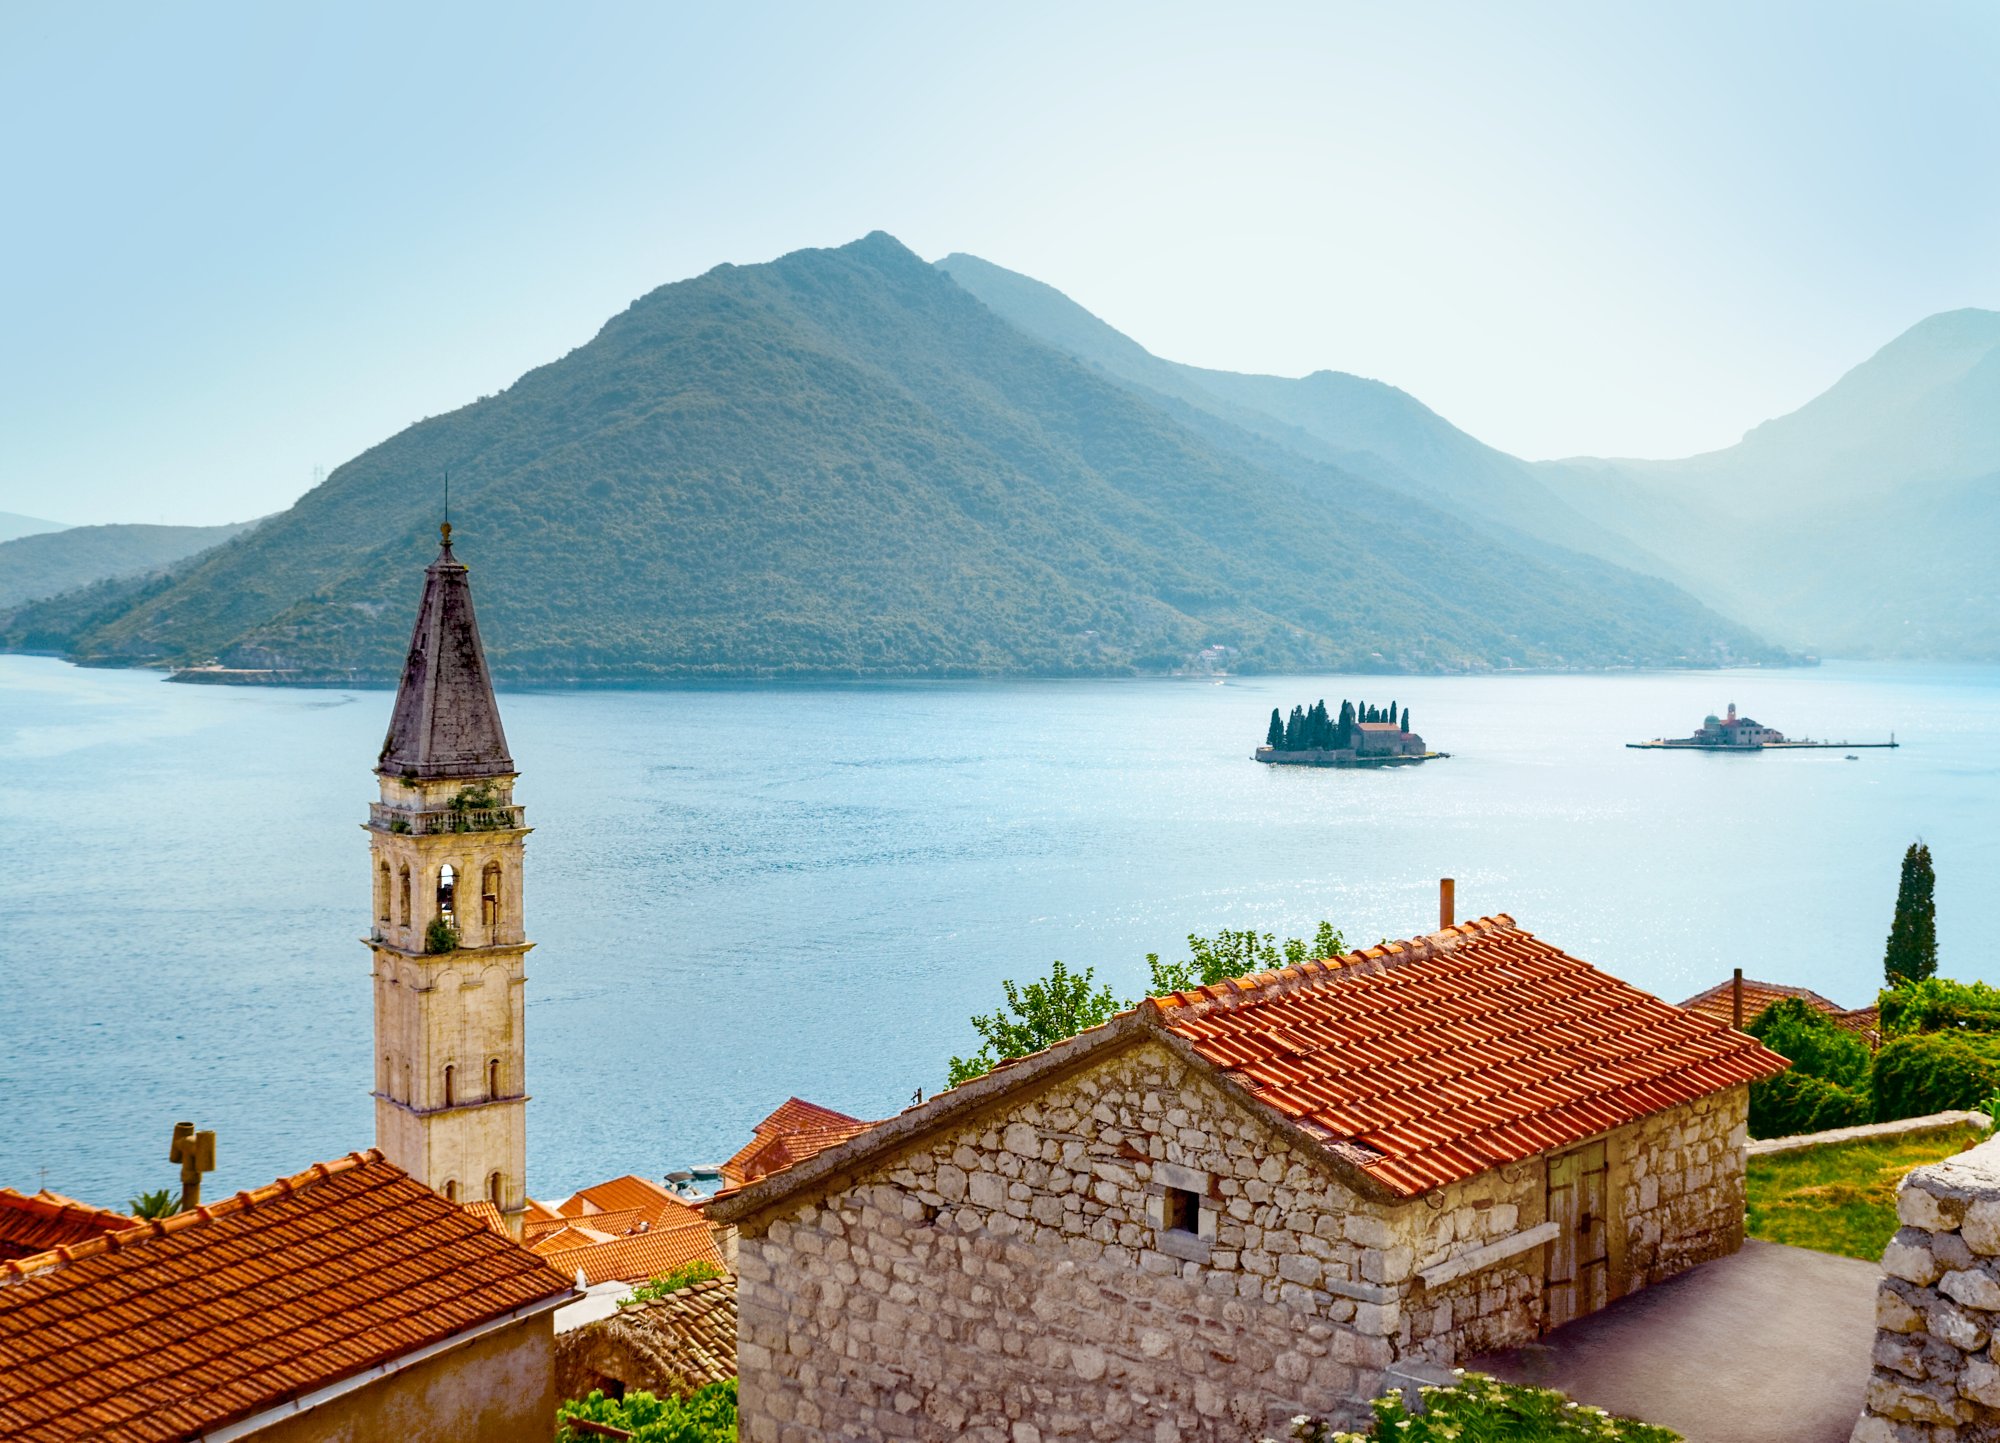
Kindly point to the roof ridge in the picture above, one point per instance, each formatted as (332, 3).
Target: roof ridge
(56, 1205)
(148, 1228)
(1361, 962)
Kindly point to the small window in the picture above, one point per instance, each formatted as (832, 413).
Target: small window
(489, 897)
(403, 896)
(382, 893)
(450, 1076)
(451, 1190)
(1183, 1211)
(447, 898)
(493, 1189)
(493, 1078)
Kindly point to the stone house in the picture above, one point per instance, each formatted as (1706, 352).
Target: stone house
(349, 1302)
(670, 1345)
(1229, 1206)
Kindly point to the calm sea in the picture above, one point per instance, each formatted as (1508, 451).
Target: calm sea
(742, 894)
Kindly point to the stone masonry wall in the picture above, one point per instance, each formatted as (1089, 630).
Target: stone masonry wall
(1936, 1377)
(1012, 1280)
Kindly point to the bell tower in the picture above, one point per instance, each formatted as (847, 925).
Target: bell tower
(445, 844)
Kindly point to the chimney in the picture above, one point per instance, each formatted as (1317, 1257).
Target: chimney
(1736, 1000)
(1447, 903)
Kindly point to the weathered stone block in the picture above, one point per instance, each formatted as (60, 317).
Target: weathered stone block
(1909, 1257)
(1976, 1288)
(1981, 1226)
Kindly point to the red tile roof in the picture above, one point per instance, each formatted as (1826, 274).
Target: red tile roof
(33, 1223)
(176, 1328)
(650, 1201)
(796, 1131)
(1426, 1062)
(636, 1258)
(487, 1214)
(1717, 1002)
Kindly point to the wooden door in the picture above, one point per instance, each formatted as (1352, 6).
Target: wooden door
(1579, 1269)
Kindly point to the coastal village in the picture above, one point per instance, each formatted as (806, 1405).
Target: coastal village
(1245, 1207)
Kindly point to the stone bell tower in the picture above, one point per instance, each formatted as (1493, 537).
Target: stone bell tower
(445, 845)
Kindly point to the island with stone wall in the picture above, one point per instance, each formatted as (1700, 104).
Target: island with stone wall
(1360, 735)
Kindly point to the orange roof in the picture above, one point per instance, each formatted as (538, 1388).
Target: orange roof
(179, 1327)
(649, 1200)
(1718, 1003)
(35, 1223)
(690, 1334)
(641, 1256)
(1426, 1062)
(488, 1214)
(539, 1212)
(796, 1131)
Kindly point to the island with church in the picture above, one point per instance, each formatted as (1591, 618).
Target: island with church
(1361, 735)
(1733, 733)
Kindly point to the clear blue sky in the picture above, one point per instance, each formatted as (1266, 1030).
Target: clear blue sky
(242, 242)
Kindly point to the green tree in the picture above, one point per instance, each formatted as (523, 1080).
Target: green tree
(1911, 955)
(659, 1286)
(152, 1205)
(1346, 736)
(1406, 718)
(1036, 1016)
(1236, 954)
(1275, 737)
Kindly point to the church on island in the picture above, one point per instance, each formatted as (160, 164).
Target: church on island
(1360, 736)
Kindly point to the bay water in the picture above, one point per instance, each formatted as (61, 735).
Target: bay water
(744, 893)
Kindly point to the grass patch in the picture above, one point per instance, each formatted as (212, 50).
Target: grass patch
(1842, 1199)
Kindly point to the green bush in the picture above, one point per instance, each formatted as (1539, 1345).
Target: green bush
(1795, 1102)
(685, 1276)
(707, 1415)
(1813, 1042)
(1479, 1409)
(1938, 1004)
(440, 936)
(1934, 1072)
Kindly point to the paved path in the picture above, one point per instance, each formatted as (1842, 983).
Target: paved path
(1769, 1346)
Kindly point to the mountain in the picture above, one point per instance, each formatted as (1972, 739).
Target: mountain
(57, 561)
(1858, 525)
(1363, 426)
(842, 463)
(13, 525)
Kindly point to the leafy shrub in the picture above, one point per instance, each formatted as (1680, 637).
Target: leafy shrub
(707, 1415)
(1237, 954)
(1938, 1004)
(1795, 1102)
(686, 1276)
(1816, 1045)
(440, 936)
(1479, 1409)
(1934, 1072)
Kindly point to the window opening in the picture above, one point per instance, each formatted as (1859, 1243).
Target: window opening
(489, 896)
(404, 897)
(493, 1189)
(450, 1073)
(447, 898)
(382, 893)
(1183, 1211)
(493, 1078)
(451, 1190)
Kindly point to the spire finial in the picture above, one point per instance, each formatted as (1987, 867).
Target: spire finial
(444, 528)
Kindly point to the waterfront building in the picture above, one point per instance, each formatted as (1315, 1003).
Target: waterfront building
(450, 953)
(1266, 1197)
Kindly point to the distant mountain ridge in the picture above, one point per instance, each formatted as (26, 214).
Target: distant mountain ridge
(12, 524)
(1855, 525)
(46, 564)
(842, 463)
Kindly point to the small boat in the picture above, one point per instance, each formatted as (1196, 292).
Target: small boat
(1852, 758)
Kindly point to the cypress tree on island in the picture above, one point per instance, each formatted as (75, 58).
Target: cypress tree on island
(1275, 738)
(1911, 955)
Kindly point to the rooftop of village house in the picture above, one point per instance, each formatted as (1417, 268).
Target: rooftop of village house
(1720, 1001)
(32, 1223)
(1411, 1064)
(179, 1326)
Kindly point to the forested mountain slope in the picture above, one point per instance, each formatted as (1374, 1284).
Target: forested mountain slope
(50, 562)
(842, 464)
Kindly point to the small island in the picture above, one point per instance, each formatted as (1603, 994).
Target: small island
(1733, 733)
(1361, 736)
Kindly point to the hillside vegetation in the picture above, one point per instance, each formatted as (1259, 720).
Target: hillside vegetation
(843, 464)
(52, 562)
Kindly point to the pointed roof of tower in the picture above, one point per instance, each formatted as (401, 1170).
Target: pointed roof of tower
(446, 723)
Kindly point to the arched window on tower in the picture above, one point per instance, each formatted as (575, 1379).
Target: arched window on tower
(403, 897)
(493, 1189)
(447, 898)
(382, 893)
(450, 1076)
(493, 1077)
(451, 1189)
(489, 900)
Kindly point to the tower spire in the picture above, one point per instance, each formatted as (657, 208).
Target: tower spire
(445, 723)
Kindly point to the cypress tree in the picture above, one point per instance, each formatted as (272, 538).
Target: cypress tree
(1346, 736)
(1275, 737)
(1911, 954)
(1295, 729)
(1406, 719)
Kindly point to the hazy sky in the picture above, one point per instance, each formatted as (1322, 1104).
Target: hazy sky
(240, 243)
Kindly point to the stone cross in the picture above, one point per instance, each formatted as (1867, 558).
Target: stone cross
(195, 1152)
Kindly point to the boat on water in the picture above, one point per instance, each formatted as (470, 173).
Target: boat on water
(1733, 733)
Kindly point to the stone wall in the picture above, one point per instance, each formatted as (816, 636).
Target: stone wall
(1678, 1177)
(1017, 1279)
(1936, 1377)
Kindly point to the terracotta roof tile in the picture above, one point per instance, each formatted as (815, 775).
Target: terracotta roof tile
(1717, 1002)
(33, 1223)
(795, 1132)
(650, 1201)
(688, 1338)
(177, 1327)
(1429, 1062)
(641, 1256)
(488, 1214)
